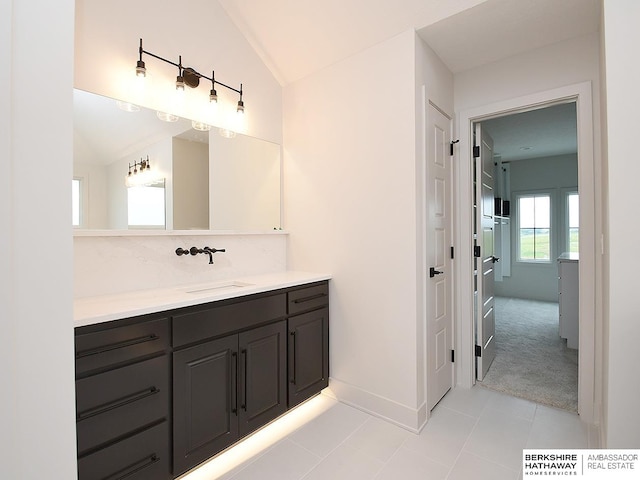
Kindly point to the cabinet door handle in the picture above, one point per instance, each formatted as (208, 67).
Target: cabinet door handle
(244, 392)
(134, 397)
(293, 354)
(115, 346)
(433, 272)
(309, 298)
(234, 383)
(133, 468)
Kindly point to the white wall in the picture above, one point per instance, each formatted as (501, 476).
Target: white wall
(352, 206)
(564, 63)
(621, 18)
(553, 175)
(36, 357)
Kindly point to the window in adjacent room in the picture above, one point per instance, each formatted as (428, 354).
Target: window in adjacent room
(534, 228)
(573, 222)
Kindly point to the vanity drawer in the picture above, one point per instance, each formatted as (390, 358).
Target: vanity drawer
(115, 403)
(200, 324)
(144, 456)
(308, 298)
(112, 346)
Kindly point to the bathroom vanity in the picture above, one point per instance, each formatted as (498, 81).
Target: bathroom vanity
(166, 379)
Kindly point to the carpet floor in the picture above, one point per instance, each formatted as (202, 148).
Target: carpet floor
(532, 361)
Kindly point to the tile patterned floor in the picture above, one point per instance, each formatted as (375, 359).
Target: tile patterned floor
(473, 433)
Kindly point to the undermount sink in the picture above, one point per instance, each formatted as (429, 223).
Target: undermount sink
(212, 288)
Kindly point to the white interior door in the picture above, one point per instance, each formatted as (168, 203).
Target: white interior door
(439, 283)
(485, 259)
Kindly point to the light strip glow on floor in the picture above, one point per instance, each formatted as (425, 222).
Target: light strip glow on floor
(259, 442)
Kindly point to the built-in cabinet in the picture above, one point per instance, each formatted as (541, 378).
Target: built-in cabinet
(159, 394)
(308, 328)
(568, 298)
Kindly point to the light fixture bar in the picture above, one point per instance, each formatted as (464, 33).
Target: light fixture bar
(186, 73)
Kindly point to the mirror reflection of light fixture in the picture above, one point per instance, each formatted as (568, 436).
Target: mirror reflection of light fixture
(127, 107)
(200, 126)
(188, 76)
(141, 174)
(226, 133)
(167, 117)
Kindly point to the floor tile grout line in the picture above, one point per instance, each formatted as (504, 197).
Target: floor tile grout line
(337, 446)
(455, 462)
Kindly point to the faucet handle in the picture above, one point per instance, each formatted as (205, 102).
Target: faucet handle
(181, 251)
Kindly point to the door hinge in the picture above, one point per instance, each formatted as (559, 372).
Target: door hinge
(453, 356)
(476, 251)
(478, 351)
(451, 144)
(452, 255)
(476, 151)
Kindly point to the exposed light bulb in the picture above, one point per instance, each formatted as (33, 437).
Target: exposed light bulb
(141, 70)
(180, 83)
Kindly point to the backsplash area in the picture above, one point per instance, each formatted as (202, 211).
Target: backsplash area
(114, 264)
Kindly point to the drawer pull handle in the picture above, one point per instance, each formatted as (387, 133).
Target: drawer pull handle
(115, 346)
(309, 298)
(134, 397)
(234, 383)
(134, 468)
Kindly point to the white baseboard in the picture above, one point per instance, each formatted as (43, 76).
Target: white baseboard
(409, 418)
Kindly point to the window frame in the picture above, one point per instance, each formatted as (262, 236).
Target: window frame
(552, 231)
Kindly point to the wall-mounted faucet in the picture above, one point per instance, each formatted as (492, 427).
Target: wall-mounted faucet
(195, 251)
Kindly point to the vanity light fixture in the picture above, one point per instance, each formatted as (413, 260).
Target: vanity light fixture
(141, 174)
(188, 76)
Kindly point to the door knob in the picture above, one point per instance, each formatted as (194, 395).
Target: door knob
(433, 272)
(495, 259)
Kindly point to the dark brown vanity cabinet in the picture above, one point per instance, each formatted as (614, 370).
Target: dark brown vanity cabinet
(308, 329)
(159, 394)
(122, 399)
(227, 387)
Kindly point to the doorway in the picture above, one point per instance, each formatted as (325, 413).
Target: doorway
(465, 341)
(533, 221)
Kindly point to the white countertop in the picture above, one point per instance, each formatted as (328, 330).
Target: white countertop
(569, 257)
(104, 308)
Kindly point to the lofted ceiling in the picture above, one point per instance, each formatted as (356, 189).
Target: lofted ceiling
(296, 38)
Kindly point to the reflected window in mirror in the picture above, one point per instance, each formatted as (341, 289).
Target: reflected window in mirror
(145, 206)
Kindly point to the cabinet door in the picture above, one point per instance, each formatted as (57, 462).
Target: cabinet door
(204, 401)
(308, 355)
(262, 387)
